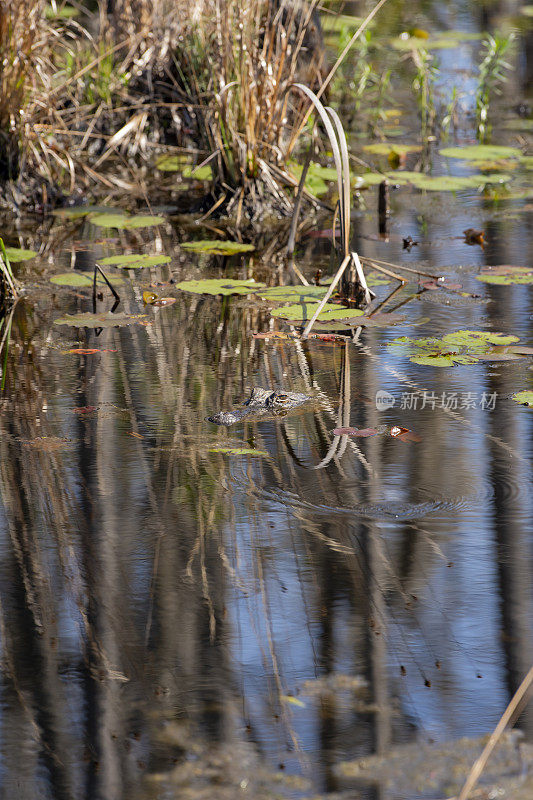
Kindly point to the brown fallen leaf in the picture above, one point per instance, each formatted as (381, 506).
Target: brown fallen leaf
(360, 432)
(135, 434)
(85, 409)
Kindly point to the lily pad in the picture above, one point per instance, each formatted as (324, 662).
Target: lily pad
(480, 152)
(124, 222)
(506, 275)
(204, 173)
(103, 320)
(446, 183)
(294, 294)
(461, 347)
(384, 148)
(317, 178)
(444, 41)
(134, 261)
(304, 312)
(525, 398)
(81, 279)
(220, 286)
(76, 212)
(16, 254)
(238, 451)
(217, 247)
(378, 320)
(170, 163)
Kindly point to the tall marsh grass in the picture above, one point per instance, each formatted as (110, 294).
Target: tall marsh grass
(22, 33)
(232, 67)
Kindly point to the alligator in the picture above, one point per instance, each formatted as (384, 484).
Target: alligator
(262, 402)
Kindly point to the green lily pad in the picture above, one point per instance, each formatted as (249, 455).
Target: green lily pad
(238, 451)
(220, 286)
(294, 294)
(123, 222)
(384, 148)
(476, 339)
(204, 173)
(76, 212)
(169, 163)
(527, 162)
(81, 279)
(217, 247)
(16, 254)
(372, 178)
(134, 261)
(446, 183)
(506, 275)
(379, 320)
(444, 41)
(377, 279)
(304, 312)
(461, 347)
(480, 152)
(317, 178)
(525, 398)
(103, 320)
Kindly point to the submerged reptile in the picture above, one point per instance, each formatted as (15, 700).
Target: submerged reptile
(262, 402)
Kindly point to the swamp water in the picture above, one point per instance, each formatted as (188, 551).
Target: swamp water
(317, 614)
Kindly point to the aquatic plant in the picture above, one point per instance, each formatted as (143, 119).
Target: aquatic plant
(424, 88)
(492, 76)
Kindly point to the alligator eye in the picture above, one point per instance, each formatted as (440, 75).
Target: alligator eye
(282, 398)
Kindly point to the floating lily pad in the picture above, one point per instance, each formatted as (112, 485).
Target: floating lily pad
(294, 294)
(304, 312)
(76, 212)
(16, 254)
(238, 451)
(506, 275)
(371, 178)
(444, 41)
(379, 320)
(169, 163)
(446, 183)
(218, 247)
(124, 222)
(384, 148)
(525, 398)
(134, 261)
(377, 279)
(461, 347)
(317, 178)
(220, 286)
(204, 173)
(527, 162)
(103, 320)
(81, 279)
(480, 152)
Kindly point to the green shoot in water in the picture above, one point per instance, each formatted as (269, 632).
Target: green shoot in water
(492, 76)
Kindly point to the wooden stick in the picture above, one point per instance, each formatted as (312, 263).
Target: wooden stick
(361, 276)
(385, 271)
(334, 282)
(495, 736)
(400, 266)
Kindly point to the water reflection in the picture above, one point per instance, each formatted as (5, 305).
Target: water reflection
(177, 621)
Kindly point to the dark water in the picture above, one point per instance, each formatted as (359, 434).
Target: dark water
(181, 622)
